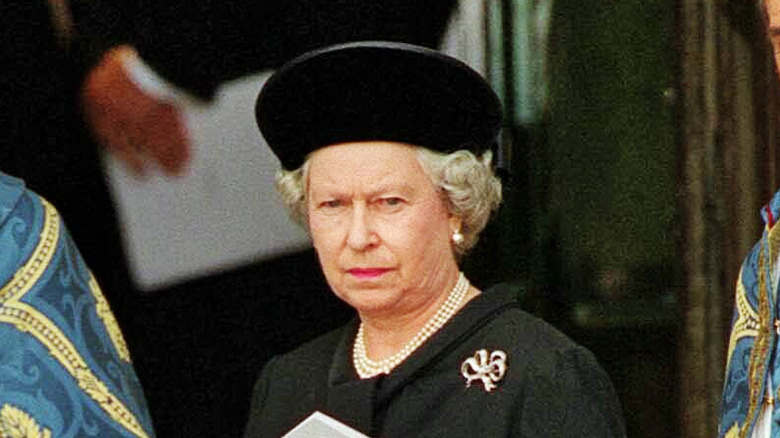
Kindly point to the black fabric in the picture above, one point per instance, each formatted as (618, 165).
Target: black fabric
(200, 44)
(376, 91)
(552, 387)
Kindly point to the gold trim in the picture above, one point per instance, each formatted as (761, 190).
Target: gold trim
(109, 321)
(765, 332)
(15, 423)
(747, 323)
(733, 432)
(26, 276)
(28, 319)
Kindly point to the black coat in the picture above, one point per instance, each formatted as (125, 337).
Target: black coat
(552, 387)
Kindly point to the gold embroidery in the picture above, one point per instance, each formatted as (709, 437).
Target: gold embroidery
(27, 275)
(109, 321)
(776, 395)
(733, 432)
(15, 423)
(28, 319)
(746, 324)
(765, 332)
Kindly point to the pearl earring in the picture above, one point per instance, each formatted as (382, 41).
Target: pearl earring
(457, 238)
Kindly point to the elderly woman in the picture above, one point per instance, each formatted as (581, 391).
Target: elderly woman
(386, 156)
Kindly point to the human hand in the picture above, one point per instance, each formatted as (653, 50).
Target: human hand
(133, 125)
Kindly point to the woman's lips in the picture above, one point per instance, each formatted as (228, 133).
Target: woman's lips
(367, 273)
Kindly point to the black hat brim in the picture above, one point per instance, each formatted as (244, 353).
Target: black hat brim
(376, 91)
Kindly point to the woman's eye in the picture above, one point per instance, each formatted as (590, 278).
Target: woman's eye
(332, 203)
(391, 201)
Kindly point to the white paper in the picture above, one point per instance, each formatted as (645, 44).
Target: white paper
(319, 425)
(224, 213)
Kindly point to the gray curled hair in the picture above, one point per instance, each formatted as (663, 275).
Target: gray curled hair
(468, 184)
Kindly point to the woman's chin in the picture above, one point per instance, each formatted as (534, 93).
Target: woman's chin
(374, 301)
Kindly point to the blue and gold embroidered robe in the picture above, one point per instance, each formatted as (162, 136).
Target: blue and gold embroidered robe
(64, 367)
(752, 360)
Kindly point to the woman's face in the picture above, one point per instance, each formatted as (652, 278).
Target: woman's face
(380, 227)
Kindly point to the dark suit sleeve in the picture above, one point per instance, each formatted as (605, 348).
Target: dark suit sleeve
(572, 397)
(199, 44)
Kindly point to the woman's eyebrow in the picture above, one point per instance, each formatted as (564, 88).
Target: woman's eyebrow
(402, 187)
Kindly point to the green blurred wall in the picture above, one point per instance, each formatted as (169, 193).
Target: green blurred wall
(611, 136)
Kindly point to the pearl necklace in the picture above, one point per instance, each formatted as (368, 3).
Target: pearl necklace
(367, 368)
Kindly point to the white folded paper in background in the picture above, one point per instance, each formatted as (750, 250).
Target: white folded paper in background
(224, 213)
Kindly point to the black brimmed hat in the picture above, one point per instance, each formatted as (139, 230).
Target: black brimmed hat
(376, 90)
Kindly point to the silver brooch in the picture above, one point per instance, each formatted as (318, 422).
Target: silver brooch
(487, 369)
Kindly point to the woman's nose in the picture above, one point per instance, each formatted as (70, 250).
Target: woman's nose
(361, 234)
